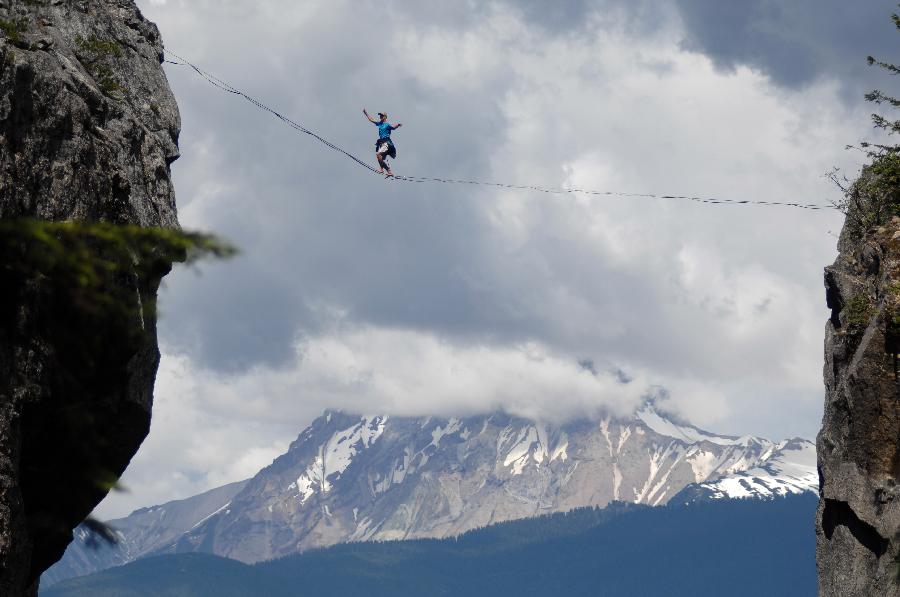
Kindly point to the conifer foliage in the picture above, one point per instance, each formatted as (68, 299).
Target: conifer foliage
(874, 197)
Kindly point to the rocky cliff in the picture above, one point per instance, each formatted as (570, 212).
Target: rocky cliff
(859, 444)
(88, 130)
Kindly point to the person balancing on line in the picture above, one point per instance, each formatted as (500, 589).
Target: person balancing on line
(384, 147)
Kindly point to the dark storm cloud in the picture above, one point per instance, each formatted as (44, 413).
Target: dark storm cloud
(234, 323)
(795, 42)
(584, 17)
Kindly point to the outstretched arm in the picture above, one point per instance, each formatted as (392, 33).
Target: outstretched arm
(394, 128)
(367, 115)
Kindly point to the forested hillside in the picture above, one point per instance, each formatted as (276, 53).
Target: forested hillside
(733, 547)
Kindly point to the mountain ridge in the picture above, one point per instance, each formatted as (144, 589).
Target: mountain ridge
(351, 478)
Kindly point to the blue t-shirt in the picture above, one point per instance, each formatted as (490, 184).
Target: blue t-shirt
(384, 130)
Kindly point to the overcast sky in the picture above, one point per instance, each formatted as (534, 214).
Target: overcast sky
(387, 297)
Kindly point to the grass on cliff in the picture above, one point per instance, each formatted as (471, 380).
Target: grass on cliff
(95, 54)
(13, 30)
(859, 310)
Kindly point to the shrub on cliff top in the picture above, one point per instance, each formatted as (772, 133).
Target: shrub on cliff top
(874, 197)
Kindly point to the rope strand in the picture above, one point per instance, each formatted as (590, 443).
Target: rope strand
(228, 88)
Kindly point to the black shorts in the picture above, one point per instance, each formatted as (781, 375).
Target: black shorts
(389, 150)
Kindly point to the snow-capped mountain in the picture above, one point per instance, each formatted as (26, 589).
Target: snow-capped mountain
(790, 469)
(364, 478)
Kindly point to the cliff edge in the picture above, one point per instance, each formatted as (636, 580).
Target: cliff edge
(88, 130)
(859, 445)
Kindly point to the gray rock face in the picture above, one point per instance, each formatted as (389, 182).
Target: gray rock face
(88, 129)
(352, 478)
(88, 124)
(859, 444)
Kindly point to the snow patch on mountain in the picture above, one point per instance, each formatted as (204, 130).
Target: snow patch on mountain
(439, 433)
(531, 444)
(703, 462)
(205, 518)
(560, 451)
(518, 455)
(791, 469)
(335, 456)
(788, 467)
(687, 433)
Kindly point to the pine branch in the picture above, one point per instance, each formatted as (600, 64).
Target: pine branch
(879, 98)
(891, 68)
(891, 126)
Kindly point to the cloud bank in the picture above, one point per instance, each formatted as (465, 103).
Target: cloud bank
(367, 295)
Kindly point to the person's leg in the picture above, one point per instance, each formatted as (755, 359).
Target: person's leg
(389, 151)
(381, 153)
(378, 156)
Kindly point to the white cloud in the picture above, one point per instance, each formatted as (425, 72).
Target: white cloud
(210, 429)
(192, 447)
(429, 299)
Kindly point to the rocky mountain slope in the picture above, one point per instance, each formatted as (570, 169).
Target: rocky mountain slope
(859, 444)
(350, 478)
(88, 129)
(143, 532)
